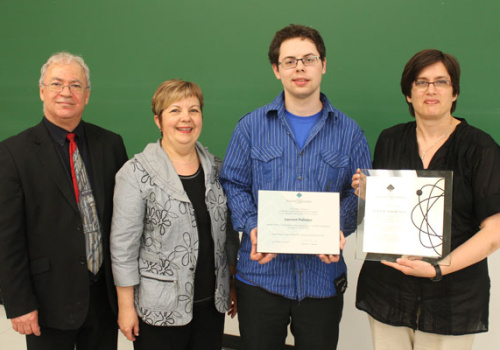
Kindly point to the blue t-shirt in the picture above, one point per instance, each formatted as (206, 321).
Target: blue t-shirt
(301, 126)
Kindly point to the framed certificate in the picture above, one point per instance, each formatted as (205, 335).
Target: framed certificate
(298, 222)
(404, 213)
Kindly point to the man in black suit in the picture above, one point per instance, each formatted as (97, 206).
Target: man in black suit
(55, 268)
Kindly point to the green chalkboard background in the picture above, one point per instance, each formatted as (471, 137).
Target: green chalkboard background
(132, 46)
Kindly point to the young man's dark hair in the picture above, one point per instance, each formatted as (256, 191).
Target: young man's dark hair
(295, 31)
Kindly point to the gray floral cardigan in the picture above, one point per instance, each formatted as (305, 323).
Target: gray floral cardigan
(154, 239)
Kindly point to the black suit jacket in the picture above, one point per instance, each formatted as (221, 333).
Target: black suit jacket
(42, 246)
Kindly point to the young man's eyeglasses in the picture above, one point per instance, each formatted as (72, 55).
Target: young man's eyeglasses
(292, 62)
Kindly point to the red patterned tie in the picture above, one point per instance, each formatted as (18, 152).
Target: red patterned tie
(72, 148)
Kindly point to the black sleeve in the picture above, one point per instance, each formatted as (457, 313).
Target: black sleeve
(486, 178)
(380, 154)
(15, 276)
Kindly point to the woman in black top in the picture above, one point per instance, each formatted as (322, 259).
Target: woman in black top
(413, 304)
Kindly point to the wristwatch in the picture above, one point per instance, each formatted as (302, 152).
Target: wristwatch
(439, 274)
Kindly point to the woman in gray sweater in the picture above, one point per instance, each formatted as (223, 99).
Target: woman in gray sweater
(172, 245)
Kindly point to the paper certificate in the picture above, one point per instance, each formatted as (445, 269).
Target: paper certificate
(298, 222)
(404, 215)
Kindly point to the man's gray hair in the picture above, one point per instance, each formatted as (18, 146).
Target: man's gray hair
(65, 58)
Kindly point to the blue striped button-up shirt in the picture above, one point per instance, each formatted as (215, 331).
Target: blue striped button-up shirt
(263, 155)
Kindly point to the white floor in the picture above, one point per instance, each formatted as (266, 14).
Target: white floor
(354, 331)
(11, 340)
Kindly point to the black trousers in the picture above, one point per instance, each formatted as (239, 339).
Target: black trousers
(204, 332)
(98, 332)
(263, 319)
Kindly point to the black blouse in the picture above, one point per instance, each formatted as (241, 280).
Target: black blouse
(204, 277)
(458, 304)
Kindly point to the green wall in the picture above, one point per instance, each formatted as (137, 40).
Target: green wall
(132, 46)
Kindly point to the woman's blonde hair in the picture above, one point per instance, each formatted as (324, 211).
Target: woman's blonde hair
(174, 90)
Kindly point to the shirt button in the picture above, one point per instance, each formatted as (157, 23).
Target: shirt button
(79, 227)
(83, 261)
(300, 178)
(297, 256)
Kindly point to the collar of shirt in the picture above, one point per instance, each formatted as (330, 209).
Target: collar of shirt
(58, 134)
(61, 144)
(278, 107)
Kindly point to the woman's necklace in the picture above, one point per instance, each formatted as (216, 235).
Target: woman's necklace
(447, 132)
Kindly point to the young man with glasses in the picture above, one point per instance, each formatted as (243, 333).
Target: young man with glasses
(299, 142)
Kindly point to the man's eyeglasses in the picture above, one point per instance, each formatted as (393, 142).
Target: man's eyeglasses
(291, 62)
(438, 84)
(58, 87)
